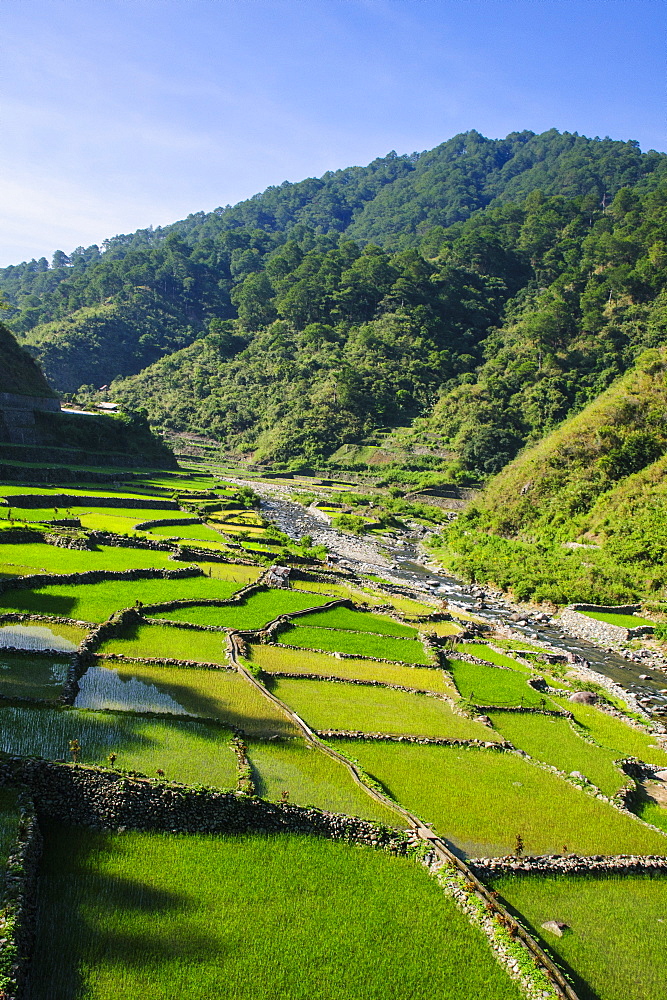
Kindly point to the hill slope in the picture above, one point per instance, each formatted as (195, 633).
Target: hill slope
(583, 514)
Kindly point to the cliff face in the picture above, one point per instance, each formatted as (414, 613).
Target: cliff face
(21, 377)
(23, 390)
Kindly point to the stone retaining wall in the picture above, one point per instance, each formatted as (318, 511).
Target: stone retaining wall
(165, 661)
(166, 522)
(440, 741)
(97, 576)
(583, 627)
(106, 800)
(19, 904)
(36, 500)
(555, 864)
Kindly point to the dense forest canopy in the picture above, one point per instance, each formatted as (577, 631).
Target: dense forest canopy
(475, 294)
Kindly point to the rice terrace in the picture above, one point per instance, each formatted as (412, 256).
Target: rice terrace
(225, 778)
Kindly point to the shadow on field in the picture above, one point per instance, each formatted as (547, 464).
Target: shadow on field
(35, 602)
(91, 926)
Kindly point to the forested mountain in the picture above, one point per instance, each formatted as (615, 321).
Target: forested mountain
(487, 287)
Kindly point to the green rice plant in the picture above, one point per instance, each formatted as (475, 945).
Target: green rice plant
(64, 638)
(168, 642)
(611, 618)
(159, 916)
(96, 602)
(278, 659)
(306, 776)
(39, 677)
(255, 611)
(26, 515)
(36, 557)
(493, 685)
(615, 937)
(334, 705)
(484, 652)
(357, 621)
(554, 741)
(223, 695)
(614, 733)
(187, 751)
(481, 800)
(368, 644)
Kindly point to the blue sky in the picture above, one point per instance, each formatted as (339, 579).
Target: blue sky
(119, 114)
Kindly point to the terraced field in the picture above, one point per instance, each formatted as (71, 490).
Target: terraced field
(137, 914)
(158, 916)
(482, 799)
(94, 602)
(622, 919)
(253, 612)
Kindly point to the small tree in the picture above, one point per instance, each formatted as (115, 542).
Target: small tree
(75, 750)
(518, 845)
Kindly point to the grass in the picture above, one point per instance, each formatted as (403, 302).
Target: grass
(235, 572)
(224, 695)
(442, 628)
(615, 734)
(616, 942)
(277, 659)
(334, 589)
(168, 642)
(333, 705)
(253, 612)
(95, 602)
(186, 750)
(270, 917)
(40, 677)
(384, 647)
(358, 621)
(481, 799)
(409, 607)
(36, 557)
(553, 741)
(56, 636)
(311, 778)
(625, 621)
(653, 813)
(492, 685)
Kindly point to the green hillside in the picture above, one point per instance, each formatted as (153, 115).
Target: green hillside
(582, 515)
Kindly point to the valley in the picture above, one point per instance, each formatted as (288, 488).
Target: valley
(332, 590)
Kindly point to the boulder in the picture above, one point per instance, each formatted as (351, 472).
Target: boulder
(584, 697)
(555, 927)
